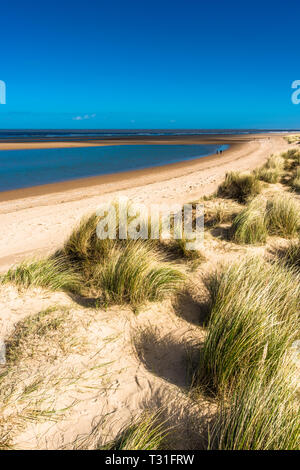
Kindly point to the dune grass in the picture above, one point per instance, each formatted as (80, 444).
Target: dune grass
(32, 380)
(291, 255)
(51, 273)
(258, 414)
(147, 434)
(249, 227)
(108, 270)
(254, 316)
(135, 275)
(25, 341)
(221, 213)
(291, 139)
(283, 216)
(295, 183)
(291, 153)
(292, 159)
(239, 186)
(271, 171)
(84, 246)
(274, 162)
(269, 175)
(117, 270)
(178, 246)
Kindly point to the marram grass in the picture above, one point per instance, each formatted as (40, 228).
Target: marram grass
(259, 413)
(274, 162)
(296, 179)
(135, 275)
(269, 175)
(291, 255)
(249, 226)
(149, 433)
(254, 316)
(51, 273)
(25, 341)
(283, 216)
(108, 270)
(117, 270)
(239, 186)
(271, 171)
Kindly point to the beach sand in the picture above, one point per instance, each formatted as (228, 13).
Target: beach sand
(100, 390)
(37, 220)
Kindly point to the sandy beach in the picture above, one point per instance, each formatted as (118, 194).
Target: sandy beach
(37, 220)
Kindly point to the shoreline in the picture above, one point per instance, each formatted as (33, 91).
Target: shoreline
(38, 224)
(125, 178)
(130, 177)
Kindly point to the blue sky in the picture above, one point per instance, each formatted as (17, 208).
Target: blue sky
(149, 64)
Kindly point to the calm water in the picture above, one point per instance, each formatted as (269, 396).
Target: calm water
(25, 168)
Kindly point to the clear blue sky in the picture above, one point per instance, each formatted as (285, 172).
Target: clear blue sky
(149, 63)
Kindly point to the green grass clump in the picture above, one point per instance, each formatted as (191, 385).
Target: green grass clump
(147, 434)
(291, 254)
(250, 225)
(239, 186)
(83, 245)
(258, 414)
(117, 270)
(178, 246)
(292, 159)
(296, 183)
(272, 169)
(269, 175)
(296, 179)
(51, 273)
(283, 216)
(109, 270)
(274, 162)
(135, 275)
(291, 139)
(292, 153)
(254, 316)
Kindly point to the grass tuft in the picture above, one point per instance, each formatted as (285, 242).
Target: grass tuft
(296, 179)
(249, 227)
(269, 175)
(254, 318)
(272, 169)
(260, 414)
(51, 273)
(283, 216)
(109, 270)
(135, 275)
(117, 270)
(240, 186)
(291, 255)
(147, 434)
(25, 341)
